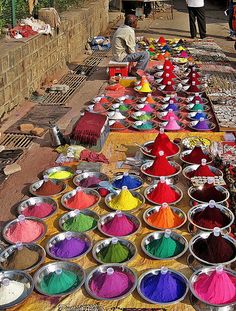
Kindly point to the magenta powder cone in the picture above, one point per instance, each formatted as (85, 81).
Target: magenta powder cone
(120, 225)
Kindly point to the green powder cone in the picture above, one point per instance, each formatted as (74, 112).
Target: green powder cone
(164, 247)
(80, 223)
(146, 126)
(123, 108)
(197, 107)
(114, 253)
(144, 117)
(59, 283)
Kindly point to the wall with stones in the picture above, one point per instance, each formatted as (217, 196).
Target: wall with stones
(23, 66)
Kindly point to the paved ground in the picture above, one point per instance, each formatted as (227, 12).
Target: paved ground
(41, 156)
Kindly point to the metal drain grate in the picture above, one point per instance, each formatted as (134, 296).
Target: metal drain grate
(9, 156)
(73, 81)
(88, 66)
(16, 141)
(101, 53)
(93, 61)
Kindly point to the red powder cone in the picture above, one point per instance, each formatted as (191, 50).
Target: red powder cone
(160, 57)
(167, 80)
(209, 192)
(161, 167)
(169, 87)
(168, 65)
(104, 100)
(196, 156)
(163, 143)
(163, 193)
(202, 170)
(193, 88)
(162, 41)
(81, 200)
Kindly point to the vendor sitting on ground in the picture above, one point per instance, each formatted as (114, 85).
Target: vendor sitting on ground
(123, 45)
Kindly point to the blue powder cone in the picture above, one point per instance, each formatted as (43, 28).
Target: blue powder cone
(129, 181)
(199, 115)
(174, 107)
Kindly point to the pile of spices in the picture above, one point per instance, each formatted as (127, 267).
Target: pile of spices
(163, 143)
(118, 125)
(163, 193)
(60, 175)
(196, 156)
(209, 192)
(202, 170)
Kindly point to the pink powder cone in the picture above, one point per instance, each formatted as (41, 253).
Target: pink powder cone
(147, 108)
(172, 125)
(39, 210)
(120, 225)
(169, 115)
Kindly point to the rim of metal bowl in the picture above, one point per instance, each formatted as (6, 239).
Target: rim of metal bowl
(186, 152)
(133, 175)
(172, 163)
(193, 167)
(51, 170)
(153, 157)
(39, 183)
(146, 191)
(212, 127)
(77, 179)
(221, 187)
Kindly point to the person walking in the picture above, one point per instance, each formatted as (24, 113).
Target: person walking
(196, 10)
(231, 7)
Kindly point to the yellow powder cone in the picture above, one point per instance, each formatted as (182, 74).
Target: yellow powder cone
(145, 88)
(125, 201)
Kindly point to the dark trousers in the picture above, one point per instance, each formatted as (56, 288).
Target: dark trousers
(198, 13)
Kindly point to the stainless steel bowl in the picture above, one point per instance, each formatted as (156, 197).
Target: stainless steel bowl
(105, 243)
(72, 193)
(192, 190)
(201, 207)
(150, 143)
(62, 236)
(155, 209)
(150, 163)
(187, 152)
(77, 179)
(137, 195)
(101, 270)
(153, 272)
(158, 235)
(37, 200)
(192, 125)
(31, 246)
(191, 116)
(59, 169)
(152, 187)
(38, 184)
(54, 266)
(194, 167)
(73, 214)
(119, 176)
(21, 277)
(5, 229)
(189, 107)
(108, 217)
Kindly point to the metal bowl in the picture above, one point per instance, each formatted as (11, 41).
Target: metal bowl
(36, 200)
(160, 115)
(137, 195)
(190, 142)
(148, 144)
(192, 168)
(191, 191)
(189, 107)
(5, 229)
(62, 236)
(137, 114)
(207, 270)
(203, 236)
(18, 276)
(190, 98)
(72, 193)
(201, 207)
(52, 267)
(59, 169)
(108, 217)
(102, 269)
(31, 246)
(125, 123)
(155, 209)
(77, 179)
(104, 243)
(187, 152)
(119, 176)
(164, 124)
(192, 125)
(135, 125)
(38, 184)
(149, 164)
(158, 235)
(156, 272)
(191, 116)
(149, 189)
(73, 214)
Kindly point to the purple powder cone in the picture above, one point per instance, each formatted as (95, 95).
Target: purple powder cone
(202, 125)
(69, 248)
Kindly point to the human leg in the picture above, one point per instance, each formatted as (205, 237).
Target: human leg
(201, 20)
(141, 58)
(192, 17)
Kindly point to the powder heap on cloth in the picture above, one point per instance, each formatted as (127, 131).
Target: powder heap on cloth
(90, 182)
(120, 225)
(165, 247)
(80, 223)
(131, 182)
(163, 287)
(114, 253)
(163, 193)
(11, 292)
(21, 259)
(48, 188)
(54, 283)
(216, 287)
(172, 125)
(163, 143)
(69, 248)
(161, 166)
(81, 200)
(145, 126)
(60, 175)
(214, 249)
(196, 156)
(208, 192)
(210, 218)
(165, 218)
(202, 125)
(39, 210)
(202, 170)
(111, 286)
(125, 201)
(25, 231)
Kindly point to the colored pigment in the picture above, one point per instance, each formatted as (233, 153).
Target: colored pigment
(11, 292)
(161, 167)
(202, 170)
(21, 259)
(118, 125)
(171, 106)
(104, 100)
(120, 225)
(210, 218)
(114, 253)
(164, 247)
(193, 89)
(49, 188)
(98, 107)
(169, 88)
(60, 175)
(172, 125)
(123, 108)
(127, 180)
(39, 210)
(197, 99)
(169, 115)
(200, 115)
(165, 218)
(196, 156)
(207, 193)
(80, 223)
(69, 248)
(163, 193)
(202, 125)
(25, 231)
(128, 101)
(90, 182)
(125, 201)
(197, 107)
(150, 99)
(144, 117)
(145, 126)
(147, 108)
(163, 143)
(216, 287)
(81, 200)
(54, 283)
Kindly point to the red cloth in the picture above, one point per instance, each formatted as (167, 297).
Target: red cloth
(25, 30)
(92, 156)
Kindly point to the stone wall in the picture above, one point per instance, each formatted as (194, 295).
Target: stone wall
(23, 66)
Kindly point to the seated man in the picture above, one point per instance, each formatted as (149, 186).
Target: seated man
(123, 45)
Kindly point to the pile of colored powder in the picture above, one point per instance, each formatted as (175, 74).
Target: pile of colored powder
(165, 247)
(171, 106)
(145, 126)
(48, 188)
(216, 287)
(202, 170)
(161, 167)
(120, 225)
(21, 259)
(54, 283)
(214, 249)
(163, 193)
(81, 200)
(80, 223)
(90, 182)
(197, 107)
(123, 108)
(60, 175)
(165, 218)
(196, 156)
(39, 210)
(199, 115)
(163, 143)
(98, 107)
(125, 201)
(169, 115)
(172, 125)
(118, 125)
(69, 248)
(114, 253)
(11, 292)
(147, 108)
(197, 98)
(104, 100)
(208, 192)
(165, 288)
(210, 218)
(202, 125)
(25, 231)
(144, 117)
(131, 182)
(128, 101)
(111, 286)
